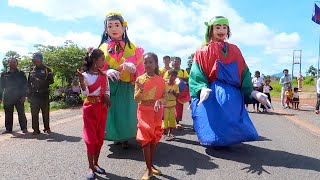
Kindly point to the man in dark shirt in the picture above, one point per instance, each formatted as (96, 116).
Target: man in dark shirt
(13, 88)
(40, 77)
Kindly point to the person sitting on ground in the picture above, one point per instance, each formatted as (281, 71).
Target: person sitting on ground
(76, 88)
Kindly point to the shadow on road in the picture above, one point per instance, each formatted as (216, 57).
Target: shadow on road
(166, 155)
(52, 137)
(261, 138)
(257, 157)
(276, 113)
(111, 176)
(187, 129)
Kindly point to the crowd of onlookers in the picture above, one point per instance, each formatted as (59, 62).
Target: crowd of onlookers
(16, 88)
(289, 95)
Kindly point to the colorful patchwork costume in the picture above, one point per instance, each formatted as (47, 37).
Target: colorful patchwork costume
(222, 119)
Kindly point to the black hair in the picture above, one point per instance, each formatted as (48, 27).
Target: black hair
(211, 29)
(155, 58)
(295, 89)
(172, 72)
(177, 58)
(257, 72)
(90, 56)
(38, 55)
(166, 56)
(285, 70)
(105, 35)
(13, 58)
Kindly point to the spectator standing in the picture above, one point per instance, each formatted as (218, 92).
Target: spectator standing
(257, 82)
(14, 88)
(318, 96)
(285, 81)
(40, 77)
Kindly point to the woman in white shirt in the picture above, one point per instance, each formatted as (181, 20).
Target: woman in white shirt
(257, 82)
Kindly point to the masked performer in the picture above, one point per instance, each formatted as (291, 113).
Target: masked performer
(219, 80)
(125, 65)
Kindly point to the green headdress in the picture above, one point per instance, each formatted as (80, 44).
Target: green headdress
(214, 21)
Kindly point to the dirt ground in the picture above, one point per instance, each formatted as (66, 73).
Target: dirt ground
(305, 102)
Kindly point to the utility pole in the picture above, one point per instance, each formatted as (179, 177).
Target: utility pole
(296, 59)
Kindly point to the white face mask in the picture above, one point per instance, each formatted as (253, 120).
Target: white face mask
(220, 32)
(115, 29)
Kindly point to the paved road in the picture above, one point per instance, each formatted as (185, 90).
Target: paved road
(285, 151)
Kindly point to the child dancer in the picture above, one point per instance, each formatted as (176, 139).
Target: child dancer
(95, 86)
(169, 120)
(150, 95)
(289, 96)
(295, 100)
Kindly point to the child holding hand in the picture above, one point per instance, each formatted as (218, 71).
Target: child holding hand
(150, 95)
(169, 118)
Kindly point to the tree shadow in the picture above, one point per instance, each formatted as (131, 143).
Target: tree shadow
(52, 137)
(257, 157)
(167, 155)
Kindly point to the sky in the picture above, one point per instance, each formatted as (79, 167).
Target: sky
(267, 32)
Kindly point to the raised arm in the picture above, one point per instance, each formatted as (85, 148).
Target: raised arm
(138, 91)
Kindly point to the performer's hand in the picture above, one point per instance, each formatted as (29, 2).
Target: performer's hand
(128, 66)
(107, 100)
(173, 92)
(140, 86)
(204, 94)
(262, 98)
(79, 74)
(157, 106)
(113, 74)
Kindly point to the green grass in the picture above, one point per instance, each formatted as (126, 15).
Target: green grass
(53, 107)
(307, 86)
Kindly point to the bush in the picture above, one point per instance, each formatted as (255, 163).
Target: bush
(309, 80)
(58, 105)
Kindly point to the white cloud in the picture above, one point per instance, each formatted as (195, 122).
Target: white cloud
(23, 38)
(167, 27)
(283, 43)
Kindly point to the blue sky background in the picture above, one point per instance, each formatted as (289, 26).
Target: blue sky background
(267, 32)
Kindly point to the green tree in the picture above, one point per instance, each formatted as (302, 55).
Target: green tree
(312, 71)
(190, 60)
(25, 64)
(7, 56)
(63, 60)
